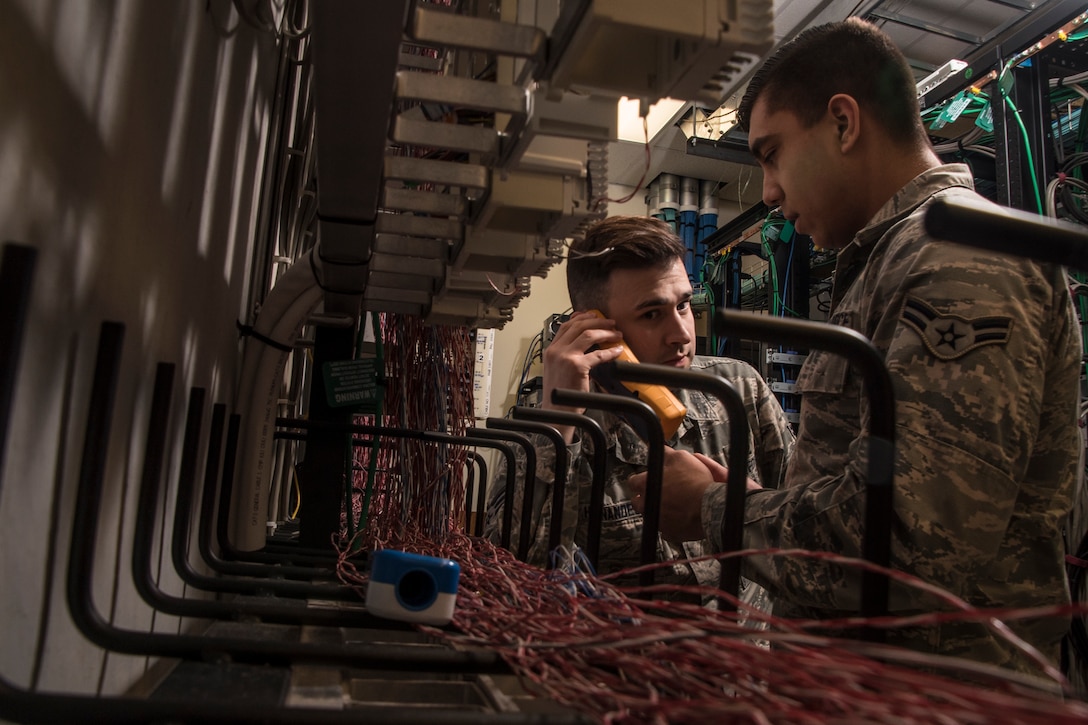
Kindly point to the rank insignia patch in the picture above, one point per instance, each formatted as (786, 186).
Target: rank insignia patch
(951, 336)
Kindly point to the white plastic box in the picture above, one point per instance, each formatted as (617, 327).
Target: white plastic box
(412, 587)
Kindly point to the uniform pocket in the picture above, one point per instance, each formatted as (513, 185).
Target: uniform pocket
(823, 372)
(826, 372)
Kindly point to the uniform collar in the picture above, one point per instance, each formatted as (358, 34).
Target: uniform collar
(906, 200)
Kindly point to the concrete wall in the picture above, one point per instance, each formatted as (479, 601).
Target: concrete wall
(131, 149)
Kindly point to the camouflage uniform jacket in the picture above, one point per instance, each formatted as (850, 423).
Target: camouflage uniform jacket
(983, 351)
(704, 430)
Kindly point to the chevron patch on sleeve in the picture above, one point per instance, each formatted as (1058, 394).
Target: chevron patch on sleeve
(949, 337)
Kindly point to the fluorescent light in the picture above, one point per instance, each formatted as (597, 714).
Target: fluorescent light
(630, 122)
(940, 75)
(710, 124)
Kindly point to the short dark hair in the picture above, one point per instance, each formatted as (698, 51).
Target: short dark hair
(619, 242)
(853, 57)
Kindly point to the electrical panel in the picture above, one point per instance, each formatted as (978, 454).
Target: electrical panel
(493, 135)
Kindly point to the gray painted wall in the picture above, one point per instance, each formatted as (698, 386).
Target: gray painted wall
(132, 143)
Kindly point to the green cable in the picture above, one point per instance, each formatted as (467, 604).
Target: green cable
(778, 306)
(1027, 143)
(776, 299)
(1027, 152)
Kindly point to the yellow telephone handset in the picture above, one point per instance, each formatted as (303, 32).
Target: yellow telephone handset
(669, 410)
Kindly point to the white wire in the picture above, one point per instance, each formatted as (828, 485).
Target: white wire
(984, 150)
(281, 318)
(1051, 197)
(1079, 89)
(967, 139)
(1068, 80)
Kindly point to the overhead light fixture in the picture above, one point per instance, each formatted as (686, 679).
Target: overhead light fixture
(707, 123)
(714, 134)
(630, 112)
(940, 75)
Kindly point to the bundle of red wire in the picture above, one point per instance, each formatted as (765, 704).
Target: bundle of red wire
(623, 657)
(631, 655)
(406, 482)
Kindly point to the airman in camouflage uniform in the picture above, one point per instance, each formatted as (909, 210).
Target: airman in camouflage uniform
(631, 270)
(705, 429)
(983, 351)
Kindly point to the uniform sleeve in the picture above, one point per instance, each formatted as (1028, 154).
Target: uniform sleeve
(578, 474)
(771, 437)
(972, 344)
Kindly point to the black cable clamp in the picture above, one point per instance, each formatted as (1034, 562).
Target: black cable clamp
(249, 331)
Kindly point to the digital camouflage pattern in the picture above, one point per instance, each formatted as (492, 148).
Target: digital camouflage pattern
(704, 429)
(983, 350)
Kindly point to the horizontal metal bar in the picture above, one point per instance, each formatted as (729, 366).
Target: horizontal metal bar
(1009, 231)
(461, 92)
(1024, 5)
(423, 62)
(900, 19)
(460, 31)
(453, 136)
(412, 246)
(24, 706)
(449, 173)
(400, 308)
(402, 281)
(419, 226)
(322, 320)
(419, 266)
(390, 294)
(424, 202)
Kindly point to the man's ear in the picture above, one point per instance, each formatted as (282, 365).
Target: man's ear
(846, 113)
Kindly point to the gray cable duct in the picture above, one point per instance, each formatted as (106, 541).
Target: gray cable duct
(281, 318)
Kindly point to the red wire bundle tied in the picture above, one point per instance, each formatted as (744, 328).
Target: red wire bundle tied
(416, 485)
(624, 659)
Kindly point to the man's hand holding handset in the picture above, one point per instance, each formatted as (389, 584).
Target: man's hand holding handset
(686, 476)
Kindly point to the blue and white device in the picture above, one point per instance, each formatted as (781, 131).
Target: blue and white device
(412, 587)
